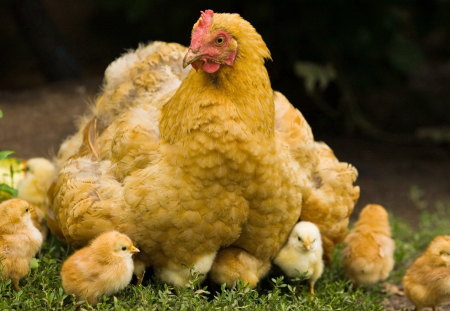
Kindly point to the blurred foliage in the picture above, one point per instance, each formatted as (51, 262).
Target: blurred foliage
(10, 170)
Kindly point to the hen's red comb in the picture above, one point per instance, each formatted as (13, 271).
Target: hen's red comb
(204, 23)
(205, 18)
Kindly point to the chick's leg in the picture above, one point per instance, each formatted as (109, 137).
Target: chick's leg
(311, 287)
(15, 283)
(139, 270)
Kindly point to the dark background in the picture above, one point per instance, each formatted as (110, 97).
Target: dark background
(390, 58)
(373, 81)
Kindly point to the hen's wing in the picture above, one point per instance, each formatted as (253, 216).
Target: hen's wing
(329, 194)
(120, 135)
(139, 78)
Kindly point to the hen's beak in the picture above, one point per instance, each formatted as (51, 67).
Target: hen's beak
(134, 250)
(191, 57)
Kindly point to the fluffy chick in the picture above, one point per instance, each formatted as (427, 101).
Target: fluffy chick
(302, 255)
(39, 175)
(368, 256)
(240, 266)
(102, 268)
(427, 280)
(20, 240)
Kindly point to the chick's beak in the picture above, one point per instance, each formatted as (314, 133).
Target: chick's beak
(191, 57)
(134, 250)
(307, 244)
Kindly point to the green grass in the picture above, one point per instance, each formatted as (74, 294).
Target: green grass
(41, 290)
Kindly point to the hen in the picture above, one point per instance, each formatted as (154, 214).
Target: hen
(200, 165)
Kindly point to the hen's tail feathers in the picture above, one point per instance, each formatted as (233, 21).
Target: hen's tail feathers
(90, 136)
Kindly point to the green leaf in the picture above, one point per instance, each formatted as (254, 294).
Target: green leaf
(34, 263)
(4, 154)
(315, 76)
(8, 189)
(1, 114)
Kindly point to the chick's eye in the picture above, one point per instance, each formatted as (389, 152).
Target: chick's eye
(300, 239)
(220, 40)
(124, 248)
(27, 209)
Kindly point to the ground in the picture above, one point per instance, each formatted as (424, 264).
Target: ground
(37, 120)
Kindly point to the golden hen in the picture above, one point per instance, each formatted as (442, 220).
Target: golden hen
(200, 165)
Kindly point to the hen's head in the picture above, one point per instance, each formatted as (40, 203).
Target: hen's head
(220, 39)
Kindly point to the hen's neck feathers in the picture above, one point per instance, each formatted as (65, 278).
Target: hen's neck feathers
(238, 96)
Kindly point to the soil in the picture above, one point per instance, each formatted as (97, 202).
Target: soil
(37, 120)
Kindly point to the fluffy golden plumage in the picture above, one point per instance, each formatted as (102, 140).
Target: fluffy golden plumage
(102, 268)
(302, 254)
(427, 280)
(20, 240)
(368, 256)
(328, 191)
(197, 167)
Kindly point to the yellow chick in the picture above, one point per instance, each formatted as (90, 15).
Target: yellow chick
(40, 174)
(302, 255)
(102, 268)
(238, 260)
(427, 280)
(33, 187)
(368, 256)
(20, 240)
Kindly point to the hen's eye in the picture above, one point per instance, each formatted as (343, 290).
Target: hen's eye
(220, 40)
(124, 248)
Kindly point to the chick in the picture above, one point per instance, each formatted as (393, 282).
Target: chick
(368, 256)
(39, 175)
(427, 280)
(20, 240)
(102, 268)
(302, 255)
(241, 266)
